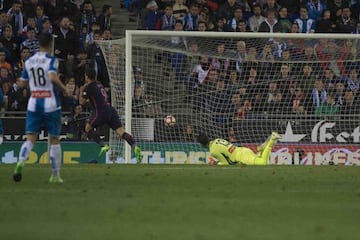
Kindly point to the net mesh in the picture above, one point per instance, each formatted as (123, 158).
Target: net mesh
(235, 87)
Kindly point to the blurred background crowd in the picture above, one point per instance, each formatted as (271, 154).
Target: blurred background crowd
(247, 77)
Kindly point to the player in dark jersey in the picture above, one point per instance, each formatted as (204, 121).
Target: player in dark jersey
(94, 92)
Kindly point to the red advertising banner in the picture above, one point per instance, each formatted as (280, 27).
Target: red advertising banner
(314, 154)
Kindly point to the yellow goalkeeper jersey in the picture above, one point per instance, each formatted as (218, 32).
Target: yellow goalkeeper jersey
(224, 151)
(228, 154)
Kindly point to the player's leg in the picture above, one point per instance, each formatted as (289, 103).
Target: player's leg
(53, 126)
(263, 157)
(92, 134)
(131, 141)
(246, 156)
(32, 128)
(115, 124)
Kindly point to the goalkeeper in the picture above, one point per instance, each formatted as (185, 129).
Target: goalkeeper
(226, 153)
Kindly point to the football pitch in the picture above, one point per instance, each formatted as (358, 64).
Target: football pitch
(182, 202)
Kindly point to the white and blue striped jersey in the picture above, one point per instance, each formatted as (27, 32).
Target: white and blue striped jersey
(44, 97)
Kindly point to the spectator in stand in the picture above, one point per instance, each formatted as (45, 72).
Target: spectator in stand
(40, 17)
(10, 43)
(286, 82)
(4, 21)
(348, 52)
(325, 24)
(298, 102)
(329, 107)
(138, 101)
(352, 80)
(233, 83)
(308, 56)
(150, 16)
(242, 27)
(66, 45)
(351, 103)
(319, 93)
(18, 98)
(335, 7)
(339, 93)
(305, 81)
(220, 61)
(267, 60)
(180, 10)
(270, 24)
(53, 10)
(292, 7)
(47, 26)
(287, 58)
(29, 8)
(345, 23)
(256, 19)
(89, 39)
(306, 24)
(75, 124)
(19, 65)
(188, 133)
(97, 60)
(104, 19)
(232, 24)
(191, 20)
(239, 107)
(80, 65)
(239, 58)
(316, 8)
(284, 20)
(16, 18)
(329, 79)
(355, 10)
(226, 10)
(5, 76)
(167, 21)
(30, 23)
(202, 27)
(69, 102)
(31, 42)
(332, 59)
(273, 99)
(211, 5)
(270, 5)
(3, 62)
(88, 16)
(107, 35)
(206, 17)
(251, 56)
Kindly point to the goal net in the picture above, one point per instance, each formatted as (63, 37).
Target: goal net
(239, 87)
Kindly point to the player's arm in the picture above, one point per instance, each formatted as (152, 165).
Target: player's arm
(57, 82)
(23, 81)
(221, 160)
(83, 96)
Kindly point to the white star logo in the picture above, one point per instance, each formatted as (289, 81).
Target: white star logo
(289, 135)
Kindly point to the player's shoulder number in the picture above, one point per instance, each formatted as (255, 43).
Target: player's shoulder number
(231, 147)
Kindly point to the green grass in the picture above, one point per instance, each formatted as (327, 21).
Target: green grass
(181, 202)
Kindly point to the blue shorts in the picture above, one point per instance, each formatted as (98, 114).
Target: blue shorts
(50, 121)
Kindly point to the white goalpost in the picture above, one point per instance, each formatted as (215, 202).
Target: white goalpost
(237, 86)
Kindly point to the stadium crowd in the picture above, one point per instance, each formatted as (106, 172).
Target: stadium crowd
(333, 86)
(318, 77)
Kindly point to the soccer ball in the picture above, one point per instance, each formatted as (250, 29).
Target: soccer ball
(169, 121)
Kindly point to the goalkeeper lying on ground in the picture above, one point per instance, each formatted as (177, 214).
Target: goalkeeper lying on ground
(226, 153)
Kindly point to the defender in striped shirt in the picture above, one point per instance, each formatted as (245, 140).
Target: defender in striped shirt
(44, 107)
